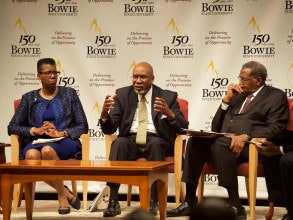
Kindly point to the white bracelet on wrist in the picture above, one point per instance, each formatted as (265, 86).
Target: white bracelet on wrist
(31, 131)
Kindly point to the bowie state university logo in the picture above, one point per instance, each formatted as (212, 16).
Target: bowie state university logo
(178, 45)
(96, 134)
(259, 44)
(139, 8)
(288, 6)
(102, 46)
(217, 84)
(64, 80)
(26, 45)
(217, 7)
(63, 8)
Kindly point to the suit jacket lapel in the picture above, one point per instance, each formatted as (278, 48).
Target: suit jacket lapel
(239, 104)
(133, 100)
(155, 94)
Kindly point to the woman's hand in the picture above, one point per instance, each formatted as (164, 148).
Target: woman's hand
(49, 129)
(38, 131)
(55, 133)
(48, 125)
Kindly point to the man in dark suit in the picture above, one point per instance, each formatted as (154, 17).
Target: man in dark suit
(278, 168)
(265, 116)
(164, 121)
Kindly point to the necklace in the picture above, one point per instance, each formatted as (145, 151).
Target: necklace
(49, 97)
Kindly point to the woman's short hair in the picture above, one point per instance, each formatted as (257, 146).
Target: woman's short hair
(43, 61)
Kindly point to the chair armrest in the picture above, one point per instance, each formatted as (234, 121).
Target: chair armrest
(15, 146)
(85, 141)
(179, 151)
(253, 153)
(109, 138)
(179, 146)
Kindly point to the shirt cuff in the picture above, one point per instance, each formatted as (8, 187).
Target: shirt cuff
(224, 106)
(104, 119)
(282, 150)
(31, 131)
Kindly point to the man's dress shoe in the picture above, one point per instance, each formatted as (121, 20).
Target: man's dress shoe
(183, 210)
(240, 213)
(287, 217)
(153, 210)
(113, 209)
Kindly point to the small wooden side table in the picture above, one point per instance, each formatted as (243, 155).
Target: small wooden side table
(2, 152)
(138, 173)
(2, 160)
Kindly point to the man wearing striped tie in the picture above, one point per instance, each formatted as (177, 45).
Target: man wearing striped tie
(249, 109)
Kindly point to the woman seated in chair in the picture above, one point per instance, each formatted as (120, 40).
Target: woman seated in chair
(51, 112)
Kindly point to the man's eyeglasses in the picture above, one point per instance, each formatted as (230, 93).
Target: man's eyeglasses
(245, 79)
(142, 77)
(49, 73)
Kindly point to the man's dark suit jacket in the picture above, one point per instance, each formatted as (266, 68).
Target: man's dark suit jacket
(121, 116)
(266, 116)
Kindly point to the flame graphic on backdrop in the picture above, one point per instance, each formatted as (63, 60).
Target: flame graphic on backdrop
(132, 65)
(130, 70)
(211, 69)
(95, 26)
(290, 75)
(60, 68)
(172, 26)
(18, 24)
(94, 30)
(210, 73)
(171, 30)
(96, 108)
(251, 29)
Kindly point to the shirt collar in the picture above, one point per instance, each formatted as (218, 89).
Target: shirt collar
(148, 95)
(257, 91)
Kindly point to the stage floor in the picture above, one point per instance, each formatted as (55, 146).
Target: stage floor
(47, 209)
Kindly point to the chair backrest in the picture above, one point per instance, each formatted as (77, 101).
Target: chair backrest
(16, 103)
(183, 104)
(290, 121)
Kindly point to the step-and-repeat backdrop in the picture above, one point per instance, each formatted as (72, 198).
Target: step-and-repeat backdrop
(196, 47)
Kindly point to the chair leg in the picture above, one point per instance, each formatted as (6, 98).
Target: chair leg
(29, 199)
(178, 188)
(178, 157)
(30, 194)
(253, 161)
(84, 193)
(200, 187)
(129, 195)
(182, 192)
(17, 196)
(270, 213)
